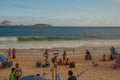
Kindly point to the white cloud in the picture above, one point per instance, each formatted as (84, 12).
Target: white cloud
(116, 0)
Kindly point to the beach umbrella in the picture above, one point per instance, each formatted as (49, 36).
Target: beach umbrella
(1, 53)
(32, 77)
(3, 58)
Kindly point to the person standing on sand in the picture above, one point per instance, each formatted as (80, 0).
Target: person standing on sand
(13, 53)
(71, 77)
(88, 55)
(9, 53)
(46, 55)
(64, 56)
(113, 50)
(18, 72)
(12, 74)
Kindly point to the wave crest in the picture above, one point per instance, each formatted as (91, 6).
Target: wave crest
(2, 39)
(44, 38)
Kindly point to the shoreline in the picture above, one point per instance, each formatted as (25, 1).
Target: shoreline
(72, 50)
(59, 44)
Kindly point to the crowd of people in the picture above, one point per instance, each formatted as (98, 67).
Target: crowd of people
(16, 72)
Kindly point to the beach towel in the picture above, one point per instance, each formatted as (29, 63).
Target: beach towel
(101, 60)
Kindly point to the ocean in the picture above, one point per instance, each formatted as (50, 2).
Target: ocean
(25, 37)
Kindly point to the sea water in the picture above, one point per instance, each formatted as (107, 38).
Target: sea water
(25, 37)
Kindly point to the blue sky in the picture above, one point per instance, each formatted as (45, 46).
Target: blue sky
(62, 12)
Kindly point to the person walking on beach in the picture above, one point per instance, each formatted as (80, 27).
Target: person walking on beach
(71, 77)
(12, 74)
(9, 53)
(13, 53)
(18, 72)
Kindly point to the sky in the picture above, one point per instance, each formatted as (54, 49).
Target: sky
(62, 12)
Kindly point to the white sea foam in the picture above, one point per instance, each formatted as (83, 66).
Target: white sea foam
(52, 44)
(4, 39)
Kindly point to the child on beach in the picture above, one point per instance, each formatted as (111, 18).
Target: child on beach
(104, 57)
(11, 76)
(18, 72)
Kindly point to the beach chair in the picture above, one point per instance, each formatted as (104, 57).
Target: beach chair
(4, 65)
(9, 64)
(94, 64)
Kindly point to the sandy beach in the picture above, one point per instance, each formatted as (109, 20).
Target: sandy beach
(27, 60)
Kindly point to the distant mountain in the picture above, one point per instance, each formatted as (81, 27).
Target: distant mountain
(43, 25)
(7, 23)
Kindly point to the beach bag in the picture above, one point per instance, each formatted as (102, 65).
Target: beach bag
(18, 72)
(38, 63)
(47, 64)
(72, 65)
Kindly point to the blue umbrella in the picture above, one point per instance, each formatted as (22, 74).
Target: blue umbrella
(3, 58)
(32, 77)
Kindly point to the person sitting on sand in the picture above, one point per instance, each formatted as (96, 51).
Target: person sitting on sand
(12, 73)
(9, 63)
(104, 57)
(88, 55)
(111, 57)
(71, 77)
(60, 62)
(67, 61)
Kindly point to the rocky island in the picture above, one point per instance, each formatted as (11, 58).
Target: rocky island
(9, 23)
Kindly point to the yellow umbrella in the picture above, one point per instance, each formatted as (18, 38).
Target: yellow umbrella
(1, 52)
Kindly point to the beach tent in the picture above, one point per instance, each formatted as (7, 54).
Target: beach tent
(32, 77)
(3, 58)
